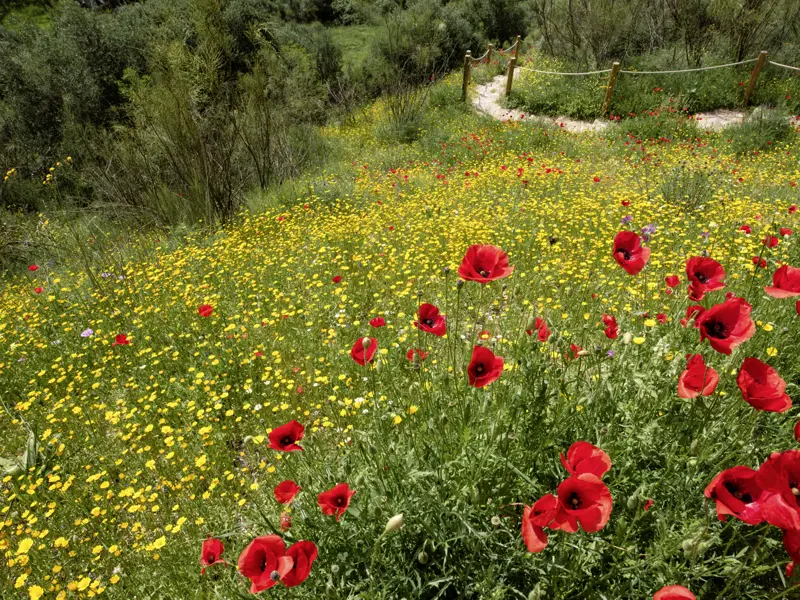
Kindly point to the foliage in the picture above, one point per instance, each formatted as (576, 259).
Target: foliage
(762, 130)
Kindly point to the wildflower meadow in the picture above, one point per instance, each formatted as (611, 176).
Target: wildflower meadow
(505, 361)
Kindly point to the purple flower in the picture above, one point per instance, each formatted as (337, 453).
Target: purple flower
(610, 353)
(627, 219)
(705, 234)
(105, 274)
(87, 332)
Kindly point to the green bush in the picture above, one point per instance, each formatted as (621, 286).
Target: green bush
(762, 130)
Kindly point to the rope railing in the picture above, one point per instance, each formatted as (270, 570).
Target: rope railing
(615, 70)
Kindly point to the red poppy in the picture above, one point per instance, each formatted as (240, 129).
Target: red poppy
(336, 500)
(792, 209)
(779, 478)
(430, 320)
(791, 542)
(705, 274)
(661, 318)
(377, 322)
(121, 340)
(797, 432)
(534, 519)
(285, 491)
(303, 555)
(286, 521)
(264, 562)
(697, 378)
(736, 492)
(626, 203)
(205, 310)
(797, 307)
(421, 354)
(760, 262)
(484, 263)
(574, 351)
(692, 313)
(672, 280)
(648, 505)
(762, 387)
(785, 282)
(746, 228)
(789, 568)
(210, 554)
(336, 278)
(674, 592)
(38, 290)
(784, 231)
(629, 253)
(583, 457)
(33, 268)
(611, 330)
(726, 325)
(363, 350)
(542, 331)
(484, 367)
(770, 241)
(286, 437)
(582, 499)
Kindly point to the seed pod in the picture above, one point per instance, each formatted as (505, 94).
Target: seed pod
(286, 521)
(395, 523)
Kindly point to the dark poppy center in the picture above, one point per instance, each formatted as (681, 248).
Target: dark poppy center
(212, 557)
(479, 369)
(701, 277)
(625, 254)
(286, 440)
(717, 329)
(263, 566)
(484, 273)
(275, 576)
(428, 322)
(574, 500)
(339, 501)
(734, 491)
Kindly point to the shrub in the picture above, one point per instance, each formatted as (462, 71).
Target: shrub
(761, 131)
(687, 188)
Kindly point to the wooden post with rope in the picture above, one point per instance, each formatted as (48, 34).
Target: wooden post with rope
(762, 58)
(612, 79)
(467, 66)
(516, 50)
(511, 64)
(489, 54)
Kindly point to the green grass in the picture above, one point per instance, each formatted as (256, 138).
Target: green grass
(355, 42)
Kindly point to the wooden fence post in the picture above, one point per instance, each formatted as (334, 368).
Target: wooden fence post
(762, 58)
(612, 79)
(489, 55)
(516, 50)
(511, 64)
(467, 66)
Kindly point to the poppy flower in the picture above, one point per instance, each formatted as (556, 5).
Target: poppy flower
(210, 554)
(336, 278)
(770, 241)
(697, 378)
(791, 542)
(205, 310)
(363, 350)
(648, 505)
(33, 268)
(784, 231)
(736, 492)
(626, 203)
(286, 437)
(430, 320)
(121, 340)
(583, 457)
(336, 500)
(484, 367)
(582, 500)
(421, 354)
(762, 387)
(534, 519)
(726, 325)
(285, 491)
(629, 253)
(286, 521)
(746, 228)
(797, 432)
(542, 331)
(303, 555)
(785, 282)
(574, 351)
(377, 322)
(38, 290)
(672, 280)
(264, 562)
(692, 313)
(674, 592)
(792, 209)
(779, 478)
(661, 318)
(611, 330)
(760, 262)
(705, 273)
(484, 263)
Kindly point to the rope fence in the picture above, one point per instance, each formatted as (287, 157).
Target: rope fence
(614, 71)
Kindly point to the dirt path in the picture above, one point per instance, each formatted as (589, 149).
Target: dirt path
(488, 100)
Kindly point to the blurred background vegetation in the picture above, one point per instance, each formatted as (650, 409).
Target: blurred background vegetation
(160, 113)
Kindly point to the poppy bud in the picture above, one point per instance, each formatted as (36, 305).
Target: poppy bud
(248, 439)
(460, 283)
(422, 558)
(377, 512)
(395, 523)
(627, 337)
(496, 521)
(366, 342)
(446, 270)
